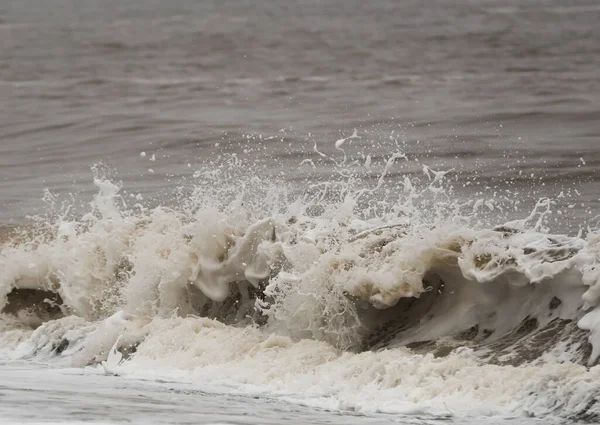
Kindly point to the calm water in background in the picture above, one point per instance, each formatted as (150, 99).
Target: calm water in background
(506, 93)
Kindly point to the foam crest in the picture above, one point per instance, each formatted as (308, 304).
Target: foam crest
(387, 286)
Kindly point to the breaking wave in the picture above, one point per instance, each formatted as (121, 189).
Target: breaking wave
(390, 298)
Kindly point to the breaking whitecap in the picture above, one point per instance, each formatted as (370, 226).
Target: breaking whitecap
(318, 295)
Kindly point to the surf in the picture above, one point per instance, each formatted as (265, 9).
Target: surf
(339, 282)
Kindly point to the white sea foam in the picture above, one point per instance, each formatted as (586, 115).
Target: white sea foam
(334, 297)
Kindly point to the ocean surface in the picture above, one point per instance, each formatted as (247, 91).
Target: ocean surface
(326, 211)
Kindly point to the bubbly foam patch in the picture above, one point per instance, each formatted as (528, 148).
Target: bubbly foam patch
(393, 381)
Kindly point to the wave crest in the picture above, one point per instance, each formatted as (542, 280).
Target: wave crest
(319, 267)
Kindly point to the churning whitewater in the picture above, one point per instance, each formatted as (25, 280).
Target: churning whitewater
(392, 298)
